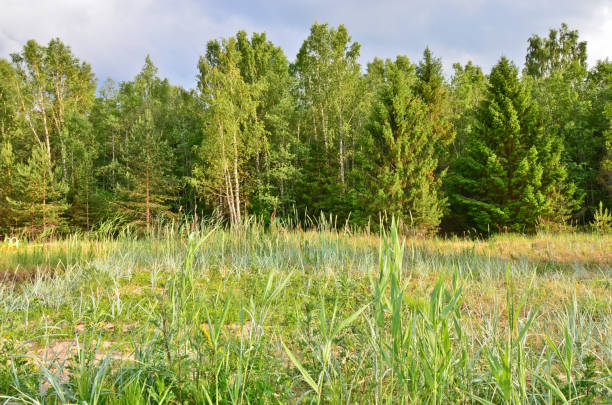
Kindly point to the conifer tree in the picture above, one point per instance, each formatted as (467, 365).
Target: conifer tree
(432, 89)
(39, 198)
(510, 175)
(149, 186)
(87, 204)
(7, 174)
(431, 78)
(405, 143)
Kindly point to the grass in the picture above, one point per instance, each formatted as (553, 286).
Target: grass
(196, 313)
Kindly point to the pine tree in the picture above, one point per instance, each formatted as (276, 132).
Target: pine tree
(510, 175)
(87, 203)
(149, 187)
(405, 144)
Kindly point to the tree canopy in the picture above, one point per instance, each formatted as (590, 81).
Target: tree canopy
(263, 135)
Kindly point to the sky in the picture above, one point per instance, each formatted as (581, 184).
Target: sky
(114, 36)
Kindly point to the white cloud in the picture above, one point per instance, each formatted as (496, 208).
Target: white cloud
(114, 36)
(598, 34)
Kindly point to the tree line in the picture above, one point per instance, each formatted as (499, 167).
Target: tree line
(260, 135)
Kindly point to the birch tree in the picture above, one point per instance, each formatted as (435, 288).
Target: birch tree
(231, 129)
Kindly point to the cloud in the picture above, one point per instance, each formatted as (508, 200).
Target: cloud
(114, 36)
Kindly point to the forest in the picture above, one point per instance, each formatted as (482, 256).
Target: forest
(311, 231)
(520, 148)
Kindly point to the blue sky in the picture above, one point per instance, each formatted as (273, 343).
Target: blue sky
(114, 36)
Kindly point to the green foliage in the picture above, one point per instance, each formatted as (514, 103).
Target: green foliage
(572, 100)
(405, 140)
(330, 107)
(149, 185)
(232, 133)
(416, 345)
(196, 313)
(602, 220)
(468, 87)
(8, 104)
(510, 175)
(7, 178)
(264, 65)
(314, 138)
(39, 198)
(560, 51)
(606, 163)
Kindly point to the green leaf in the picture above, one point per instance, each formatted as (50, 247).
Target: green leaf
(299, 366)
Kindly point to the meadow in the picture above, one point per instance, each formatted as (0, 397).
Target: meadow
(198, 313)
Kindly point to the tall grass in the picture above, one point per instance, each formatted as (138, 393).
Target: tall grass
(196, 313)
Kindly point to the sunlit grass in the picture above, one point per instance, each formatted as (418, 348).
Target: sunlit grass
(198, 313)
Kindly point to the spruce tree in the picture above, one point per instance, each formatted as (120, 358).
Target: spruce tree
(431, 79)
(405, 149)
(510, 175)
(433, 90)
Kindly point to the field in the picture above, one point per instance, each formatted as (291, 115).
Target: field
(203, 314)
